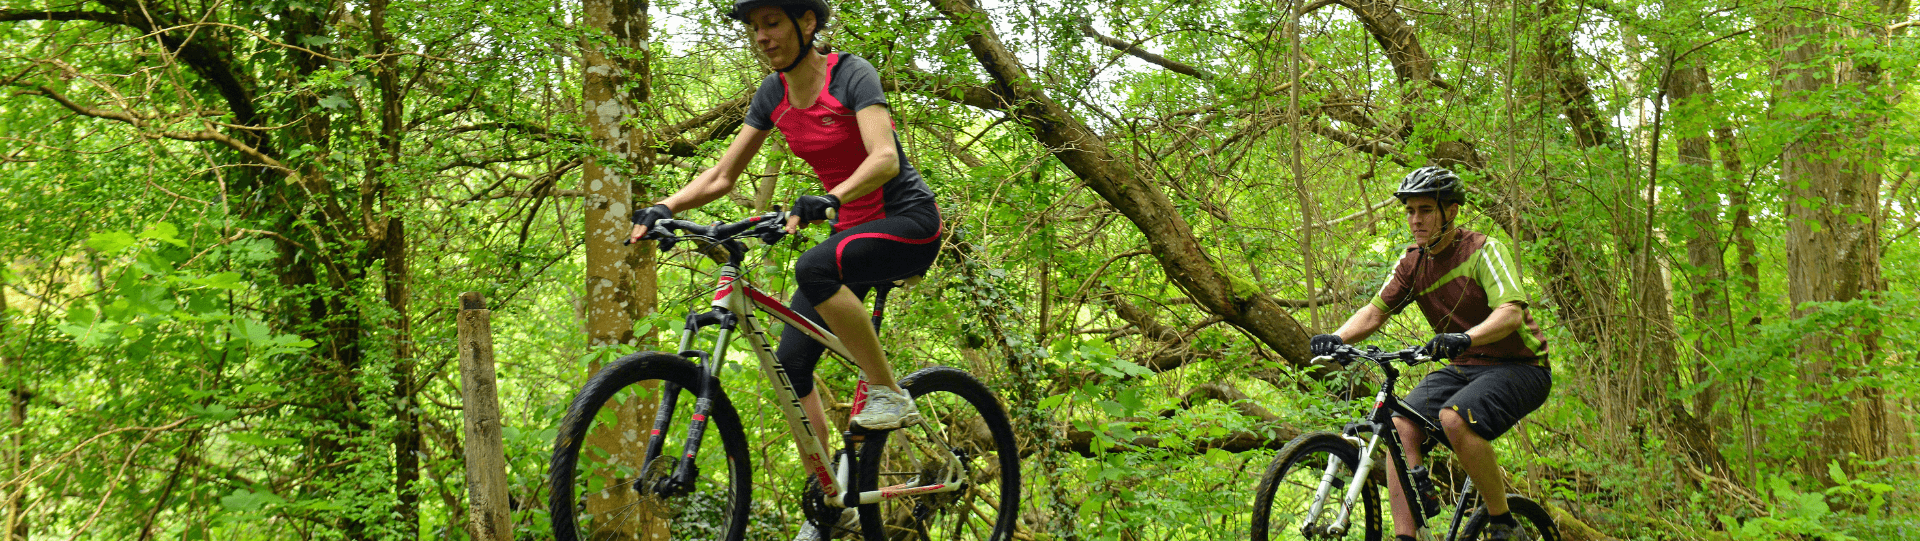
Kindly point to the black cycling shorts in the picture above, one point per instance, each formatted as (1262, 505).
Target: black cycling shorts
(1490, 398)
(893, 248)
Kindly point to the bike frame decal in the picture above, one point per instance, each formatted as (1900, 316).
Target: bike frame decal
(738, 296)
(806, 439)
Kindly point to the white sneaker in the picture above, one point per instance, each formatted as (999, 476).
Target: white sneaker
(886, 410)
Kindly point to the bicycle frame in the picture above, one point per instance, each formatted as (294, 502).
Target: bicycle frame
(734, 301)
(1379, 422)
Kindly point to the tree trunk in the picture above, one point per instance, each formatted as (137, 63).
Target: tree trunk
(612, 281)
(1171, 239)
(1690, 88)
(16, 444)
(1833, 210)
(397, 277)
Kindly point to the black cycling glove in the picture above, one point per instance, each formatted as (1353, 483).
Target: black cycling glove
(1323, 344)
(813, 208)
(1448, 344)
(646, 216)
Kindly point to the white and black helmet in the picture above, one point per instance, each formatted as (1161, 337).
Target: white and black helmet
(1436, 182)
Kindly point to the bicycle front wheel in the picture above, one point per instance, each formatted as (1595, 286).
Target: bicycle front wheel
(967, 441)
(601, 490)
(1535, 523)
(1288, 504)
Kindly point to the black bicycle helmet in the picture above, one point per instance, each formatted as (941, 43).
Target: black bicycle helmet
(821, 14)
(1436, 182)
(821, 10)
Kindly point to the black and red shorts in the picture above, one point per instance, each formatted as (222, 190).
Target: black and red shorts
(896, 247)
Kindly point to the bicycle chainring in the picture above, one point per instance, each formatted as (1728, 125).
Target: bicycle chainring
(813, 502)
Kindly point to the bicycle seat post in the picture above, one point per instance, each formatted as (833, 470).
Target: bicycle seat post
(880, 304)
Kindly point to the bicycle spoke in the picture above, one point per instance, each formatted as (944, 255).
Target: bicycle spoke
(1296, 500)
(602, 496)
(961, 443)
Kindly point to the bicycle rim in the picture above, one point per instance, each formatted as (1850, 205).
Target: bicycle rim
(596, 474)
(1535, 523)
(966, 437)
(1287, 492)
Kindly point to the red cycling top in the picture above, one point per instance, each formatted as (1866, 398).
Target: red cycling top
(827, 136)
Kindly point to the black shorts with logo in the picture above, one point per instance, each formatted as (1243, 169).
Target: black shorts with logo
(1490, 398)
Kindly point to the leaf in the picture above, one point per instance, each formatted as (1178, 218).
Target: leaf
(111, 241)
(1130, 399)
(163, 232)
(224, 280)
(334, 101)
(257, 440)
(215, 412)
(1053, 401)
(244, 500)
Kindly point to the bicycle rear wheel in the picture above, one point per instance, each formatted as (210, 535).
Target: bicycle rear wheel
(1535, 523)
(967, 439)
(1287, 492)
(600, 496)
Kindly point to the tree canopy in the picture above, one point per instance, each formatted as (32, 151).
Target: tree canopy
(237, 231)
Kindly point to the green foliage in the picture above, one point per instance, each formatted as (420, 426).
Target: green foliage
(213, 344)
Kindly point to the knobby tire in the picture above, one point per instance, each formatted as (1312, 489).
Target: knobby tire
(718, 506)
(1535, 523)
(1287, 488)
(965, 416)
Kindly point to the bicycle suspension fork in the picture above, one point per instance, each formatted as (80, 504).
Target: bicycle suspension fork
(685, 470)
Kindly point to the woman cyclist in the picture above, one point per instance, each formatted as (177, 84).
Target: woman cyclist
(832, 112)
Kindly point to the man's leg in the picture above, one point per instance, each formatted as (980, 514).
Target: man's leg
(1476, 455)
(1405, 508)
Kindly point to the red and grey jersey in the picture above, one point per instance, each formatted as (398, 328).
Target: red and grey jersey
(827, 136)
(1458, 288)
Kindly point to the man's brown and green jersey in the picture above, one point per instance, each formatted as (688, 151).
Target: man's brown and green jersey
(1458, 288)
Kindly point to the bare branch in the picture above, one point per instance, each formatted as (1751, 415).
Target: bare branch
(1133, 49)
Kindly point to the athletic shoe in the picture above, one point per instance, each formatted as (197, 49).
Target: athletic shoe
(886, 410)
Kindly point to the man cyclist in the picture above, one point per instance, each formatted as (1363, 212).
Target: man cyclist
(1466, 285)
(832, 112)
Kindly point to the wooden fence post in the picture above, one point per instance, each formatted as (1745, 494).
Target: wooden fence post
(487, 518)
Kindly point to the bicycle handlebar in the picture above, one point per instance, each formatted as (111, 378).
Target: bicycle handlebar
(768, 227)
(1345, 355)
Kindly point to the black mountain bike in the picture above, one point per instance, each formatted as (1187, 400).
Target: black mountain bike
(954, 476)
(1315, 483)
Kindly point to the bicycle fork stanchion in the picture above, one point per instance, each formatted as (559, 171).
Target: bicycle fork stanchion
(1360, 475)
(684, 475)
(685, 470)
(662, 420)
